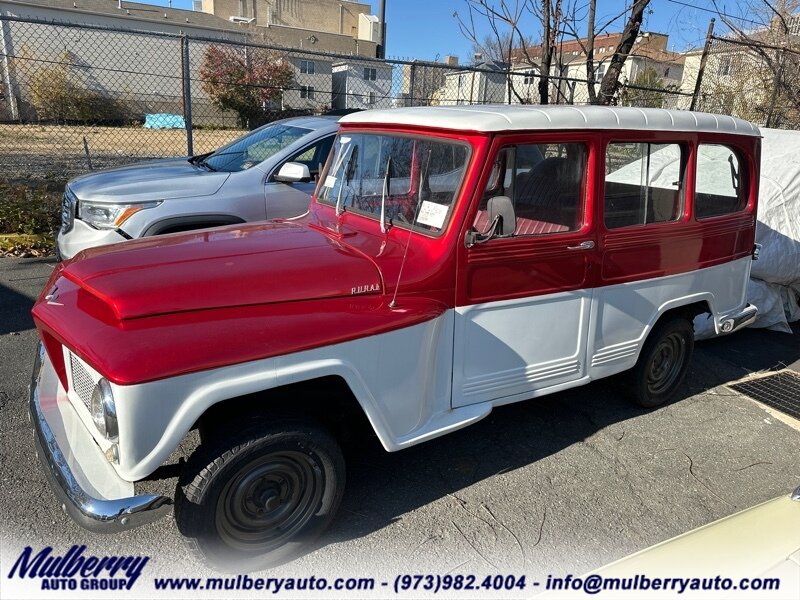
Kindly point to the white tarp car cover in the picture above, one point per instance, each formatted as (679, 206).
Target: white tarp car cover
(774, 285)
(775, 277)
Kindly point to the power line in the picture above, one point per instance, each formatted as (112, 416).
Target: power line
(716, 12)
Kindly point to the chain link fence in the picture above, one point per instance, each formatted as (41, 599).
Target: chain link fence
(754, 80)
(77, 97)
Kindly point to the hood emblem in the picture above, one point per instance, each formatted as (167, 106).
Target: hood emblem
(365, 289)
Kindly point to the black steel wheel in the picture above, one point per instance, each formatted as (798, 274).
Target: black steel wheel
(663, 362)
(260, 497)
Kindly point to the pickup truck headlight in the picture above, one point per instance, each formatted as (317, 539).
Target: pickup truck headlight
(105, 215)
(104, 411)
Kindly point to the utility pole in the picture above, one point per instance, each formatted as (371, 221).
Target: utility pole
(706, 49)
(382, 17)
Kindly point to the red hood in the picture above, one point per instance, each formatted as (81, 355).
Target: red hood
(245, 265)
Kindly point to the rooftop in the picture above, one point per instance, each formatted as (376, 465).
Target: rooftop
(491, 118)
(135, 11)
(648, 45)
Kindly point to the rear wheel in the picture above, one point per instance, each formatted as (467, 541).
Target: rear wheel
(663, 363)
(259, 498)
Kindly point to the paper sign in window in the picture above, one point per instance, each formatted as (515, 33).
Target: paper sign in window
(432, 214)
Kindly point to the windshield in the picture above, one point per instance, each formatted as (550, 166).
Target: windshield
(256, 146)
(412, 181)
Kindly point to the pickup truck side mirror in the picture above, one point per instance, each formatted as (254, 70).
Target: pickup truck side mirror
(292, 172)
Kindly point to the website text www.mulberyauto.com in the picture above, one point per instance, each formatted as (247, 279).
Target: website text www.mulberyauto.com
(591, 584)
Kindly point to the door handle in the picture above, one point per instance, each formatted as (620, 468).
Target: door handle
(587, 245)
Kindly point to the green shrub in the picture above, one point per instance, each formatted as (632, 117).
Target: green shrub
(24, 209)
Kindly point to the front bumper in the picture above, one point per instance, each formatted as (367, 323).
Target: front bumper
(88, 487)
(83, 236)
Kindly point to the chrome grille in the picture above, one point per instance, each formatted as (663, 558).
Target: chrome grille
(82, 382)
(68, 203)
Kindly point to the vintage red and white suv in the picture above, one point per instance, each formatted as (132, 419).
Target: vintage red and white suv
(453, 259)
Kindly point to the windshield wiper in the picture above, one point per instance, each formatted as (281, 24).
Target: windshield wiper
(386, 181)
(204, 163)
(200, 160)
(345, 177)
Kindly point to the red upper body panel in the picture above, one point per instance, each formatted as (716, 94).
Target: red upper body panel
(155, 308)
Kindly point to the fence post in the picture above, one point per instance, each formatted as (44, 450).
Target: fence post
(412, 77)
(187, 93)
(8, 82)
(703, 58)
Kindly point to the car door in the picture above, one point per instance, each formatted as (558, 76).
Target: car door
(523, 301)
(285, 200)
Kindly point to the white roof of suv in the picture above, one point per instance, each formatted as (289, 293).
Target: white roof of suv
(519, 117)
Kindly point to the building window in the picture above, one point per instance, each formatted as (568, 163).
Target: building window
(242, 8)
(600, 72)
(529, 77)
(372, 98)
(370, 74)
(307, 91)
(603, 50)
(724, 66)
(308, 66)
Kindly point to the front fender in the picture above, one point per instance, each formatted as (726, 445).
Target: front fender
(401, 380)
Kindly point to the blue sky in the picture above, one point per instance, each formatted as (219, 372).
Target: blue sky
(426, 29)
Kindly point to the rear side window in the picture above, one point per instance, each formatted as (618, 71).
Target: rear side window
(719, 188)
(644, 183)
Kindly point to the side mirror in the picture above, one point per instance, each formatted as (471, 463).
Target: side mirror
(502, 222)
(501, 207)
(292, 172)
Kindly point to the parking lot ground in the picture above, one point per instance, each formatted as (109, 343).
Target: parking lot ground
(560, 484)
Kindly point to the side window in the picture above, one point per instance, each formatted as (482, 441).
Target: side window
(719, 182)
(315, 156)
(644, 183)
(545, 183)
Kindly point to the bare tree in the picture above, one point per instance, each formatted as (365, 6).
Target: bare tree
(511, 38)
(610, 83)
(633, 13)
(762, 49)
(551, 18)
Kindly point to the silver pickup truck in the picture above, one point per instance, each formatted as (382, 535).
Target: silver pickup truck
(270, 173)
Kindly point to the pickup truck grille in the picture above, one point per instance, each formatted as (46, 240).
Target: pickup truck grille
(82, 382)
(68, 203)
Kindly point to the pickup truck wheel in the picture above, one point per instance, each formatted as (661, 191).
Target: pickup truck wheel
(663, 363)
(258, 498)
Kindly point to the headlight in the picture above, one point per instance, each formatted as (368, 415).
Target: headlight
(105, 215)
(104, 411)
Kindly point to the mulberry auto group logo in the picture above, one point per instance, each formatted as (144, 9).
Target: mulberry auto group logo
(78, 570)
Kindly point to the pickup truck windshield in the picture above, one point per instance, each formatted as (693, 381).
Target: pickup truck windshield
(256, 146)
(411, 180)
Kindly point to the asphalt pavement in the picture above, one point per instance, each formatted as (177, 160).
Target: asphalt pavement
(560, 484)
